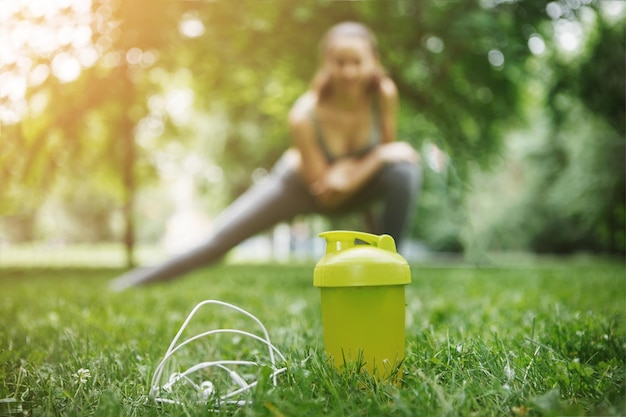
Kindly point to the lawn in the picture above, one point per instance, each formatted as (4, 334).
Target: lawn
(541, 338)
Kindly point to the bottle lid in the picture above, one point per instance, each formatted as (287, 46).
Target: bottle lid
(357, 259)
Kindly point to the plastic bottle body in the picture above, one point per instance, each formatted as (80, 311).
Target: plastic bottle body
(366, 326)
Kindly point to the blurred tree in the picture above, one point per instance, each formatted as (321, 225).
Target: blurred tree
(571, 160)
(86, 128)
(591, 212)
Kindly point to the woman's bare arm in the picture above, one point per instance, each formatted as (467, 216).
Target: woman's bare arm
(388, 102)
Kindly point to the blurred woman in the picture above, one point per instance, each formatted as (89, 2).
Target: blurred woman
(344, 158)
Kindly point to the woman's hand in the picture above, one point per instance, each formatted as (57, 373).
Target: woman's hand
(346, 176)
(397, 152)
(333, 189)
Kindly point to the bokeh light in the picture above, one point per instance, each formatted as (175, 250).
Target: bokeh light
(191, 26)
(568, 35)
(39, 38)
(496, 58)
(65, 67)
(435, 44)
(536, 44)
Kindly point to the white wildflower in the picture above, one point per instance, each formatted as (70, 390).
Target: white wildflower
(82, 375)
(509, 372)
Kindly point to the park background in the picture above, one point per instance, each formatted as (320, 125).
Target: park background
(127, 126)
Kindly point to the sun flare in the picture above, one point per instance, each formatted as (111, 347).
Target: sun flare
(39, 39)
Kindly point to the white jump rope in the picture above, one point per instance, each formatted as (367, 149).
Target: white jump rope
(207, 392)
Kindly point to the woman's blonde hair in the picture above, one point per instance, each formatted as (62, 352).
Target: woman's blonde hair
(321, 81)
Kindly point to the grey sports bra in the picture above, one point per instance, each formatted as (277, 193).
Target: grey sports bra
(375, 136)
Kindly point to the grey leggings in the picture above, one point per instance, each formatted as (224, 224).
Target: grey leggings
(280, 197)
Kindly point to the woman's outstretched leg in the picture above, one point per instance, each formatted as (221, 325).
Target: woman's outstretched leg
(279, 197)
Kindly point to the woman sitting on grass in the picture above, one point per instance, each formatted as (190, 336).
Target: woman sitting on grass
(344, 157)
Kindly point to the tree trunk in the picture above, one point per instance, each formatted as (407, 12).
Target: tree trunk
(128, 175)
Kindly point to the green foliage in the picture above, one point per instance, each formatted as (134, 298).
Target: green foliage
(448, 84)
(589, 194)
(541, 338)
(599, 81)
(560, 184)
(440, 213)
(563, 191)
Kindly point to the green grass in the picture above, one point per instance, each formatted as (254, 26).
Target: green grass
(545, 339)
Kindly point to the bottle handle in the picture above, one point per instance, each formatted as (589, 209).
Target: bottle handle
(337, 240)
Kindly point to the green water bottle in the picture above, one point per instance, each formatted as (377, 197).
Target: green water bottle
(362, 280)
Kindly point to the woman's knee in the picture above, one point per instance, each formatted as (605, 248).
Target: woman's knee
(403, 175)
